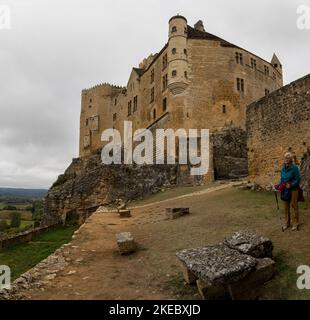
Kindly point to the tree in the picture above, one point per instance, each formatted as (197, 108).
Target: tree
(15, 219)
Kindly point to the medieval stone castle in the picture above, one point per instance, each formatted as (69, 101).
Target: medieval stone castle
(197, 80)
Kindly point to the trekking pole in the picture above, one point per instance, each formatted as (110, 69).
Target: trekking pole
(276, 195)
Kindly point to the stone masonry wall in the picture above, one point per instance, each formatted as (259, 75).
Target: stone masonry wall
(230, 153)
(275, 124)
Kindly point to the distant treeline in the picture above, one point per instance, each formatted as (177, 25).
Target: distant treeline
(22, 193)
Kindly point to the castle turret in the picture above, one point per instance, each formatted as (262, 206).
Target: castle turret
(177, 55)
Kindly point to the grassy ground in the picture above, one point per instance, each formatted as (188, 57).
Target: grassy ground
(22, 257)
(153, 272)
(167, 194)
(25, 215)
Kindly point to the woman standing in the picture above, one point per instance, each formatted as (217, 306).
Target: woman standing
(289, 185)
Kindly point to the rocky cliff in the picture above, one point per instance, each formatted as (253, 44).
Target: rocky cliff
(88, 184)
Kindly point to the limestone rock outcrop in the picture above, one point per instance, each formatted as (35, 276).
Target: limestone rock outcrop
(88, 184)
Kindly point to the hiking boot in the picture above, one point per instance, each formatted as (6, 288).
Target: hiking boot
(295, 228)
(285, 227)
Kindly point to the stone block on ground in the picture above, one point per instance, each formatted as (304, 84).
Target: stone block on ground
(174, 213)
(212, 292)
(188, 275)
(218, 264)
(126, 243)
(249, 287)
(250, 243)
(125, 213)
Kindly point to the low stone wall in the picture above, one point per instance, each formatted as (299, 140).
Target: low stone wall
(276, 124)
(23, 237)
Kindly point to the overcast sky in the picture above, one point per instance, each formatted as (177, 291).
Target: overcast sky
(55, 48)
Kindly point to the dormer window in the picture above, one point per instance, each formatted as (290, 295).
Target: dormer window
(174, 29)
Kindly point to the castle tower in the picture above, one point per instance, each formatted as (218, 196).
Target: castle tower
(177, 55)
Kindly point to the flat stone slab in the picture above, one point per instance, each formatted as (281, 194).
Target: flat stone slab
(250, 243)
(174, 213)
(218, 264)
(124, 213)
(126, 243)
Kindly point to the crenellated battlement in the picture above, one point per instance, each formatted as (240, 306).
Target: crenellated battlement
(104, 85)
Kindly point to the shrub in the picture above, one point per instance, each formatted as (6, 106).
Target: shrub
(15, 219)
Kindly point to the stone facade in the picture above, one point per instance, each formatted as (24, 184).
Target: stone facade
(275, 124)
(197, 80)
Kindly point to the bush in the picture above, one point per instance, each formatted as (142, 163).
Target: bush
(3, 225)
(9, 207)
(15, 219)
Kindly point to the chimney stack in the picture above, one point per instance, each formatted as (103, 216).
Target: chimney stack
(199, 26)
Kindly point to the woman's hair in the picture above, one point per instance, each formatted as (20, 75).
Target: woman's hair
(288, 155)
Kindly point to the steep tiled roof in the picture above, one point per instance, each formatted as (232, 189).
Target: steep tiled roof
(193, 33)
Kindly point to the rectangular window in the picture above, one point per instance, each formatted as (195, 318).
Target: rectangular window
(114, 116)
(152, 75)
(253, 63)
(240, 85)
(164, 104)
(239, 58)
(165, 82)
(135, 103)
(129, 108)
(165, 61)
(266, 70)
(152, 95)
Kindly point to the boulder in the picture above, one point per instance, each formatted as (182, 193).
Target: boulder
(126, 243)
(250, 243)
(174, 213)
(217, 265)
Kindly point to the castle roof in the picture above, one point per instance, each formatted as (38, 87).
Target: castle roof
(193, 33)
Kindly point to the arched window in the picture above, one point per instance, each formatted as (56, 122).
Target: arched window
(174, 29)
(174, 51)
(174, 73)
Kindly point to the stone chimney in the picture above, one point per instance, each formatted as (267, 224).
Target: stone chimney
(199, 26)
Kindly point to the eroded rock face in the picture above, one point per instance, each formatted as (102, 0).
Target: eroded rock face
(250, 243)
(88, 184)
(305, 172)
(218, 264)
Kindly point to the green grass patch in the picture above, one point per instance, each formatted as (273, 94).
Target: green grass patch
(167, 194)
(22, 257)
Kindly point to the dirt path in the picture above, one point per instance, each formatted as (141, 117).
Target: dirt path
(97, 271)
